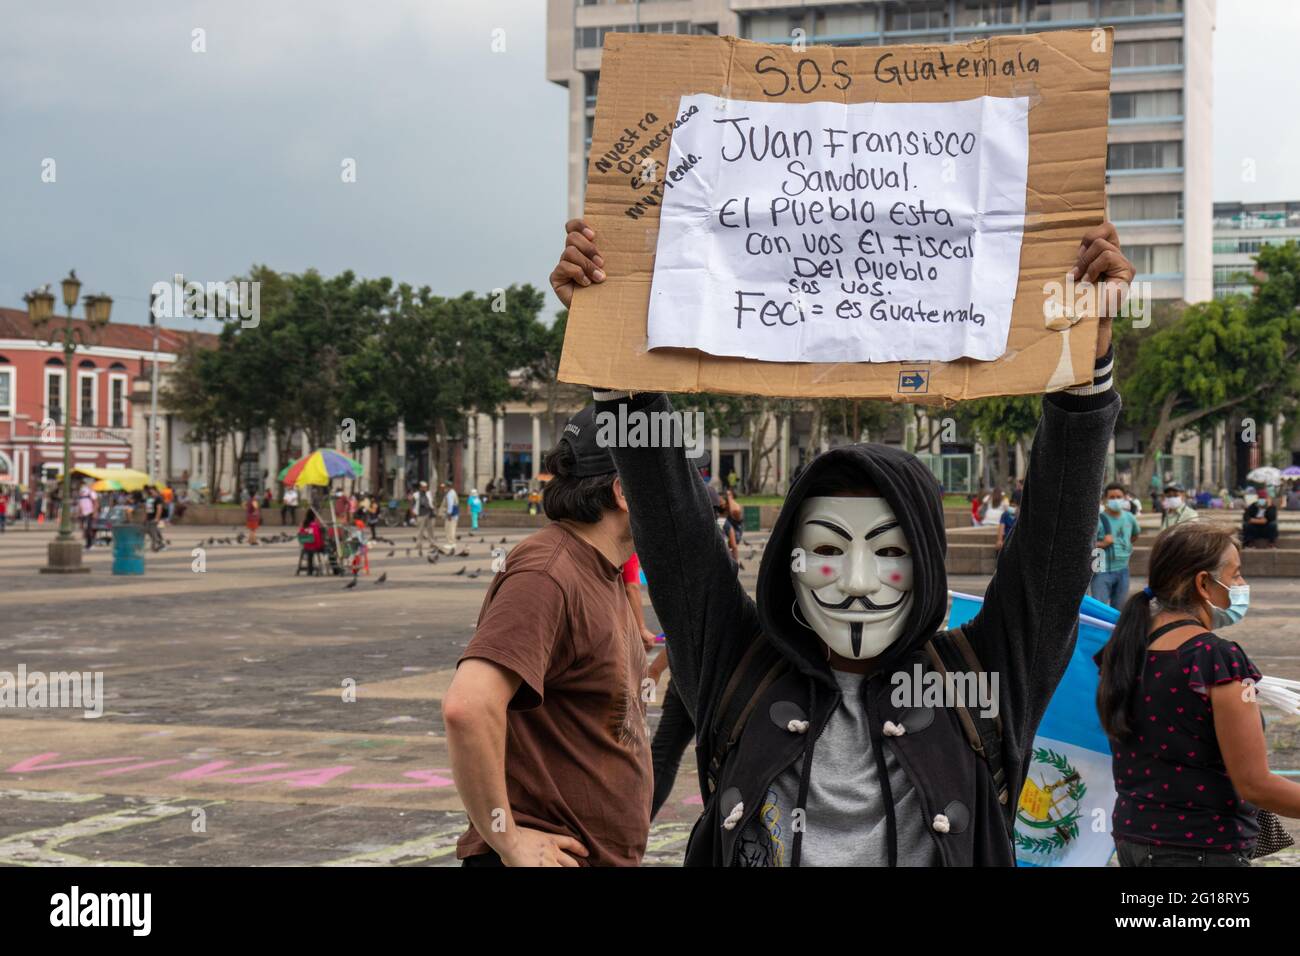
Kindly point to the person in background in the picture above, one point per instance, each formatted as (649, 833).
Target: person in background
(1175, 507)
(1259, 523)
(372, 514)
(993, 509)
(153, 511)
(341, 508)
(4, 509)
(735, 517)
(1005, 524)
(475, 508)
(1189, 756)
(267, 500)
(1017, 491)
(1293, 498)
(311, 535)
(632, 585)
(289, 506)
(1133, 503)
(977, 506)
(423, 510)
(450, 516)
(1117, 530)
(87, 506)
(252, 518)
(721, 516)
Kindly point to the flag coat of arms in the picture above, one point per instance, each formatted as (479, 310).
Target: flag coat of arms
(1063, 813)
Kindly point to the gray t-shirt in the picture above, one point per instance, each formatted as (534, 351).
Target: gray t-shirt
(844, 823)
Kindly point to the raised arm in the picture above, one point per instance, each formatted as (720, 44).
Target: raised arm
(1026, 628)
(707, 617)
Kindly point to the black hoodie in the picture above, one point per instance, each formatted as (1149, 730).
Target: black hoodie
(1025, 631)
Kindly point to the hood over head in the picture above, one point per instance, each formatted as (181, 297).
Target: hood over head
(913, 494)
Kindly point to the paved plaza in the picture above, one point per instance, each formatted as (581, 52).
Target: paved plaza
(226, 738)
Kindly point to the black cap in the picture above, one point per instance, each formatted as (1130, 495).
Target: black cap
(589, 457)
(1174, 486)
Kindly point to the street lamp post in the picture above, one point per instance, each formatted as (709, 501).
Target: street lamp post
(64, 556)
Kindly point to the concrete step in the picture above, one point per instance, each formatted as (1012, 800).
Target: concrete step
(1288, 539)
(979, 557)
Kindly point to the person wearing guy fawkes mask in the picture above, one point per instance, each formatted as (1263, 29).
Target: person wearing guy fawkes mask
(823, 768)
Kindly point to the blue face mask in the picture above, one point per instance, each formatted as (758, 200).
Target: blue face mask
(1238, 604)
(1115, 504)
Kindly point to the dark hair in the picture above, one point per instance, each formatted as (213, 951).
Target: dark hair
(1178, 556)
(1115, 486)
(576, 499)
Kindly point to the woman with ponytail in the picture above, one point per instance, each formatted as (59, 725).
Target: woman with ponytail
(1186, 735)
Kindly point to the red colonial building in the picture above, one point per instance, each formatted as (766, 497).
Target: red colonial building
(109, 420)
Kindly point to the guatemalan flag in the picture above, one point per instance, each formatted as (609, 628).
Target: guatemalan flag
(1063, 816)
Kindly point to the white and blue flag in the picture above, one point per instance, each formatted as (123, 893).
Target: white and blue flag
(1063, 814)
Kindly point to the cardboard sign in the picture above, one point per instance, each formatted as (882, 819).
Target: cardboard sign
(653, 85)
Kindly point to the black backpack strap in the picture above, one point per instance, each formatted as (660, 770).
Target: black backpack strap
(758, 667)
(950, 650)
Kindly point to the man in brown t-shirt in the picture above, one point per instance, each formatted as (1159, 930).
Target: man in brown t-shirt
(545, 716)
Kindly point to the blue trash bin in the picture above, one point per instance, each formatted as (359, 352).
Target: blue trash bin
(128, 549)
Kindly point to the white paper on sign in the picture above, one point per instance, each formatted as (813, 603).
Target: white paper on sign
(832, 232)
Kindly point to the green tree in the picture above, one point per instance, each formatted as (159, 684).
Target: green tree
(1234, 355)
(999, 423)
(447, 358)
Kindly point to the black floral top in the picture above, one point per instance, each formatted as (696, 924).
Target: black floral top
(1171, 785)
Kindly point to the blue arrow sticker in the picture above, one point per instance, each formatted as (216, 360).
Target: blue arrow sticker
(914, 381)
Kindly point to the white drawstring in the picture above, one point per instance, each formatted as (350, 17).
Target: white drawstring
(797, 726)
(891, 729)
(940, 823)
(733, 817)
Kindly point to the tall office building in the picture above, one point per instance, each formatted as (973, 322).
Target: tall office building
(1240, 230)
(1158, 166)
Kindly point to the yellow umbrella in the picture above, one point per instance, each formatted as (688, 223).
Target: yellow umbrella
(128, 478)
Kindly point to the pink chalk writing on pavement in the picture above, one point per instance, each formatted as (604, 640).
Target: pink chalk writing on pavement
(224, 771)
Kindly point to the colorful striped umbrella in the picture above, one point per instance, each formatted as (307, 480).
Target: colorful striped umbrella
(320, 467)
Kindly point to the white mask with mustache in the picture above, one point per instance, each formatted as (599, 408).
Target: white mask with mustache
(855, 588)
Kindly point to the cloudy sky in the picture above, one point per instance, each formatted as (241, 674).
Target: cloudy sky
(172, 161)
